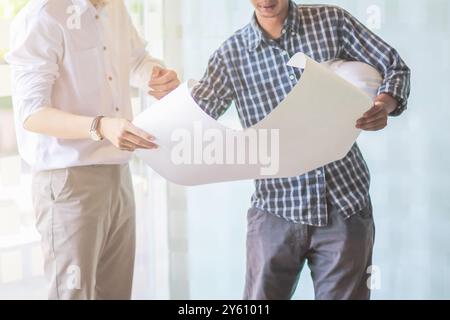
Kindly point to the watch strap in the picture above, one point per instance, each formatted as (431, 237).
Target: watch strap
(95, 126)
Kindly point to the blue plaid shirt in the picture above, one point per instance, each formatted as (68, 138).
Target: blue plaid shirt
(251, 70)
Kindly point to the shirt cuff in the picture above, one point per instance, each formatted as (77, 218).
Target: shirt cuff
(396, 92)
(142, 75)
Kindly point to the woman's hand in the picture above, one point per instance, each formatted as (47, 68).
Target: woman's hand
(163, 82)
(125, 136)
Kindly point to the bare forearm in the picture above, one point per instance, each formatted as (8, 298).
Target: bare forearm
(120, 132)
(59, 124)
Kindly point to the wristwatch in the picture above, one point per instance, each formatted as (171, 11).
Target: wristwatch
(95, 132)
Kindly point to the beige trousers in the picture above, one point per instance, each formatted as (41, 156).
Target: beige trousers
(86, 217)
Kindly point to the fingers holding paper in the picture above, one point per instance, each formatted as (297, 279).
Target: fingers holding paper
(377, 117)
(125, 136)
(163, 82)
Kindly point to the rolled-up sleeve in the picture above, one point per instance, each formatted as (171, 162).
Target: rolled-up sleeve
(361, 44)
(214, 93)
(36, 50)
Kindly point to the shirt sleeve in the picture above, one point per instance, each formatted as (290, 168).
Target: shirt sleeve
(213, 93)
(360, 44)
(141, 64)
(36, 50)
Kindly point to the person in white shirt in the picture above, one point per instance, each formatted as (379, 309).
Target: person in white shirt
(72, 65)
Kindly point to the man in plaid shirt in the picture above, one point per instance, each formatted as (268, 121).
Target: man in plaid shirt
(323, 217)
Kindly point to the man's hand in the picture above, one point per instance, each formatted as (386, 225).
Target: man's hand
(125, 136)
(377, 117)
(163, 81)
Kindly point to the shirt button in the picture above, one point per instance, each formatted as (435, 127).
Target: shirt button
(292, 77)
(104, 48)
(110, 78)
(319, 173)
(97, 17)
(117, 109)
(283, 31)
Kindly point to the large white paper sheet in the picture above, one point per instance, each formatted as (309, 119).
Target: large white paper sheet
(312, 127)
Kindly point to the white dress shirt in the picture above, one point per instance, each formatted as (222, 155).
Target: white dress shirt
(67, 55)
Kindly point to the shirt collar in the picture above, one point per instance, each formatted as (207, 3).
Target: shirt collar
(256, 34)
